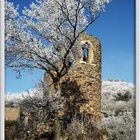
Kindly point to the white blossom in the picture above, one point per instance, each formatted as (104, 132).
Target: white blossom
(46, 36)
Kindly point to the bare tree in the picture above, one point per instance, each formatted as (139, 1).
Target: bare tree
(39, 116)
(46, 36)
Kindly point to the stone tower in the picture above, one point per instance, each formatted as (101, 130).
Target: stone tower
(83, 81)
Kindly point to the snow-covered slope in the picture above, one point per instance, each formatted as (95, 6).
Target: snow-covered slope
(118, 109)
(117, 93)
(14, 98)
(109, 89)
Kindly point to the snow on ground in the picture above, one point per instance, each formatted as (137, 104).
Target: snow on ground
(118, 109)
(18, 97)
(109, 88)
(116, 86)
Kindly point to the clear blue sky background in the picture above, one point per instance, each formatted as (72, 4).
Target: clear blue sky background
(116, 30)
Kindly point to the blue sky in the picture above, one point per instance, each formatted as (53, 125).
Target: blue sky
(116, 30)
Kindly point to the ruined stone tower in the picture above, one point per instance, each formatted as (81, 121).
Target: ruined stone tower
(83, 81)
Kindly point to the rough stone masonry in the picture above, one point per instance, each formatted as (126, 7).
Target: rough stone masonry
(83, 81)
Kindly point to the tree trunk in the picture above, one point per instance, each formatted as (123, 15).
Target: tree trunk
(57, 130)
(57, 89)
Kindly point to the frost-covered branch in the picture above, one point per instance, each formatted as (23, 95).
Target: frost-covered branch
(46, 36)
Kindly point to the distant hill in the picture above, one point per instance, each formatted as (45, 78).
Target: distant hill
(109, 89)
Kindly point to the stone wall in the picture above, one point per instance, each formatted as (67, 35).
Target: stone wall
(12, 113)
(82, 84)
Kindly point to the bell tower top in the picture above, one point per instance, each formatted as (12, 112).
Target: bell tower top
(90, 49)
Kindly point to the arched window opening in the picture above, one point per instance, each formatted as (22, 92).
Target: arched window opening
(85, 51)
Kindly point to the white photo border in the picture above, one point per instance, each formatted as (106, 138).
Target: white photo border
(2, 74)
(137, 67)
(137, 78)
